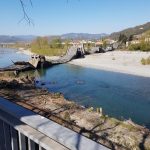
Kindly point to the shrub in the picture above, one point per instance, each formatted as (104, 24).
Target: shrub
(135, 47)
(143, 46)
(145, 61)
(90, 109)
(113, 58)
(67, 116)
(148, 61)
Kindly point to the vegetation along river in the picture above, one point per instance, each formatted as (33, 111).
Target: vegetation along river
(120, 95)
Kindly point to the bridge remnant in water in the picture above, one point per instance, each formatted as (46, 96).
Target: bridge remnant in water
(72, 53)
(39, 61)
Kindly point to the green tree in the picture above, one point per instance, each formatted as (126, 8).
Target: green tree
(130, 38)
(67, 43)
(40, 43)
(122, 38)
(56, 43)
(42, 46)
(104, 43)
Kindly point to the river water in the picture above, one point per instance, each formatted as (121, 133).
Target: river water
(120, 95)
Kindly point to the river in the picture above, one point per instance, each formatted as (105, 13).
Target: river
(120, 95)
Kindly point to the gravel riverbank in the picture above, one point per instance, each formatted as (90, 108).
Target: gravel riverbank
(117, 61)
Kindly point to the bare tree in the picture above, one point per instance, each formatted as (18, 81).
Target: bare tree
(25, 15)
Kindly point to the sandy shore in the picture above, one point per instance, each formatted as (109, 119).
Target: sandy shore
(117, 61)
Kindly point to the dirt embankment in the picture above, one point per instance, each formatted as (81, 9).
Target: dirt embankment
(91, 123)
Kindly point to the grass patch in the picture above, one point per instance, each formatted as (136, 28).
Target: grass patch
(43, 46)
(113, 58)
(50, 51)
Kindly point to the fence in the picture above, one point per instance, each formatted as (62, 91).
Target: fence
(21, 129)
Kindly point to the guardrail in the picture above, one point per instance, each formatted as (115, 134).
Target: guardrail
(15, 135)
(22, 129)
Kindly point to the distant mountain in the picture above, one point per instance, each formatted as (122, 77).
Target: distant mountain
(82, 36)
(132, 31)
(17, 38)
(26, 38)
(29, 38)
(78, 36)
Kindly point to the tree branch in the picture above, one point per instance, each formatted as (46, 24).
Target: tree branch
(25, 15)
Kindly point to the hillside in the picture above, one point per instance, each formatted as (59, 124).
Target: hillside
(132, 31)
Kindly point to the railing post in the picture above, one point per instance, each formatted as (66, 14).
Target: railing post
(7, 135)
(31, 145)
(2, 141)
(22, 142)
(14, 139)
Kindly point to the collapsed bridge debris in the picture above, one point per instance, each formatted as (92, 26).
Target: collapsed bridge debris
(39, 61)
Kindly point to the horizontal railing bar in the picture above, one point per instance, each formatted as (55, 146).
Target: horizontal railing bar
(31, 133)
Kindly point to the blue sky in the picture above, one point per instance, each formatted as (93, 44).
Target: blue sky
(54, 17)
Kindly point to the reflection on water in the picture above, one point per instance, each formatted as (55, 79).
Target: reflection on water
(120, 95)
(36, 73)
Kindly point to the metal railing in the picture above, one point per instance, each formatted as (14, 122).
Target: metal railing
(22, 129)
(15, 135)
